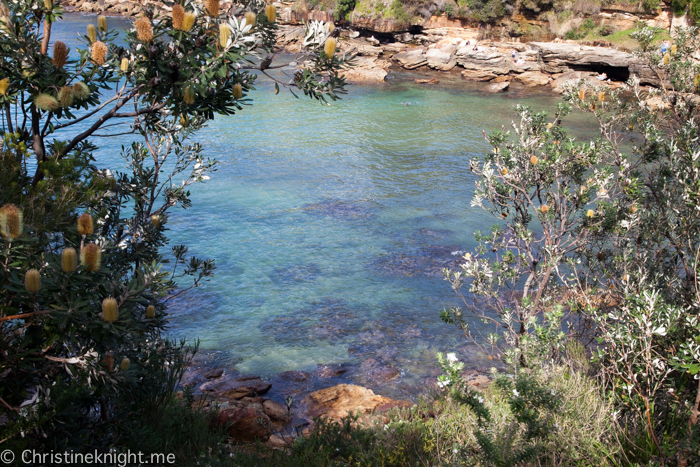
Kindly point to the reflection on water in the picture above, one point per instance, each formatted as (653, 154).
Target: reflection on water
(330, 225)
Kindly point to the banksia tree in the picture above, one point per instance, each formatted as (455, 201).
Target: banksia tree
(85, 224)
(60, 54)
(69, 260)
(99, 53)
(144, 29)
(91, 257)
(178, 15)
(110, 310)
(32, 281)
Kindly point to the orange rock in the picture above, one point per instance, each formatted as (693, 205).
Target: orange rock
(339, 401)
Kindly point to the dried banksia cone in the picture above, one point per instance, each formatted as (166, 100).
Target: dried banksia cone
(144, 30)
(85, 225)
(582, 94)
(590, 213)
(99, 53)
(237, 90)
(91, 257)
(124, 66)
(124, 365)
(534, 160)
(593, 106)
(92, 33)
(544, 208)
(11, 224)
(60, 54)
(46, 102)
(633, 209)
(667, 59)
(250, 18)
(32, 281)
(188, 21)
(224, 35)
(178, 15)
(4, 84)
(271, 13)
(65, 96)
(155, 221)
(601, 96)
(213, 7)
(81, 91)
(110, 310)
(69, 260)
(188, 96)
(329, 48)
(150, 311)
(108, 362)
(102, 23)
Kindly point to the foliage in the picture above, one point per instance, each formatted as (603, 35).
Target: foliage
(679, 6)
(343, 9)
(580, 32)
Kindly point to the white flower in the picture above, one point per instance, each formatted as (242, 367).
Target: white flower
(516, 393)
(455, 450)
(451, 357)
(552, 392)
(481, 400)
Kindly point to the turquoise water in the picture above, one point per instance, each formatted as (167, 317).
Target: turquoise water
(330, 224)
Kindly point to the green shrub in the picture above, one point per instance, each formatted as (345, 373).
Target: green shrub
(343, 9)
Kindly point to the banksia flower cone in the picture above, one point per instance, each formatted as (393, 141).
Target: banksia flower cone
(46, 102)
(11, 224)
(144, 30)
(667, 59)
(110, 310)
(188, 21)
(188, 96)
(85, 225)
(81, 91)
(213, 7)
(91, 257)
(155, 220)
(582, 94)
(590, 213)
(237, 91)
(65, 96)
(124, 66)
(674, 49)
(108, 361)
(697, 80)
(534, 160)
(224, 34)
(178, 15)
(92, 33)
(150, 311)
(601, 96)
(99, 53)
(504, 171)
(250, 18)
(124, 365)
(544, 208)
(48, 4)
(69, 260)
(102, 23)
(5, 83)
(32, 281)
(271, 13)
(60, 54)
(329, 48)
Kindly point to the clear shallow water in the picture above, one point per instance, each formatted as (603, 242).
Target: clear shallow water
(329, 225)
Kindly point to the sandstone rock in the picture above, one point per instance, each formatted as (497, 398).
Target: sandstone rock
(329, 371)
(236, 387)
(440, 60)
(378, 372)
(486, 61)
(365, 75)
(427, 81)
(376, 24)
(213, 373)
(656, 103)
(338, 401)
(479, 381)
(498, 87)
(572, 75)
(276, 411)
(478, 75)
(245, 424)
(280, 442)
(533, 78)
(294, 375)
(411, 59)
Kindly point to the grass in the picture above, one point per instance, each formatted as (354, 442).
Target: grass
(623, 39)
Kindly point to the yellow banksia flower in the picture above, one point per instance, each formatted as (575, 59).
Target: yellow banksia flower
(626, 278)
(92, 33)
(85, 224)
(144, 29)
(48, 4)
(124, 365)
(582, 94)
(178, 14)
(4, 84)
(110, 310)
(69, 260)
(329, 48)
(91, 257)
(633, 209)
(46, 102)
(271, 13)
(504, 171)
(250, 18)
(593, 106)
(224, 35)
(65, 96)
(99, 52)
(601, 96)
(188, 96)
(124, 65)
(155, 220)
(631, 127)
(697, 81)
(81, 91)
(11, 221)
(544, 208)
(534, 160)
(331, 27)
(150, 311)
(674, 49)
(213, 7)
(102, 23)
(188, 21)
(32, 281)
(60, 54)
(237, 91)
(590, 213)
(667, 59)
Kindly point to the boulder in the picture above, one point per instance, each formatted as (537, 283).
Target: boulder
(276, 411)
(338, 401)
(245, 424)
(498, 87)
(427, 81)
(236, 387)
(533, 78)
(572, 75)
(440, 60)
(486, 61)
(478, 75)
(411, 59)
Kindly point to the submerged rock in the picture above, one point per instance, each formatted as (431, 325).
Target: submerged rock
(498, 87)
(295, 273)
(338, 209)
